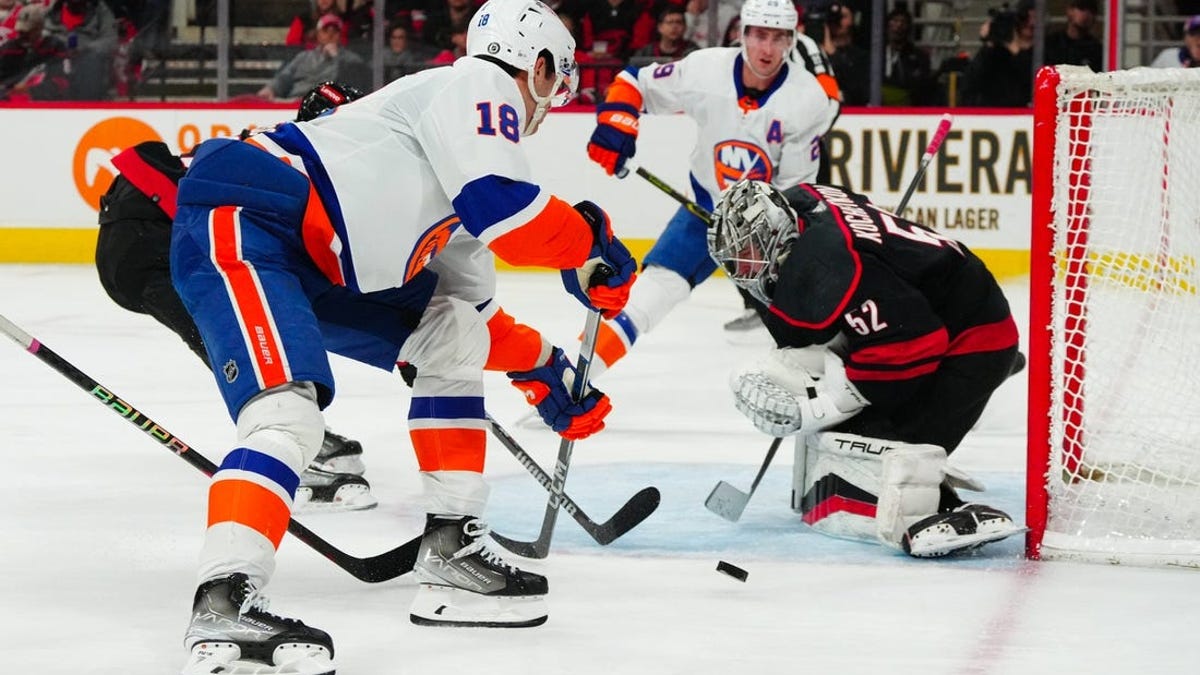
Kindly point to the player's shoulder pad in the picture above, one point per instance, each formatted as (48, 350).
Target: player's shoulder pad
(820, 273)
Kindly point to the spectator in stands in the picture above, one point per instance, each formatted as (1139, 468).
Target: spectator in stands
(9, 9)
(907, 76)
(303, 30)
(697, 19)
(1074, 44)
(32, 64)
(851, 63)
(1001, 74)
(327, 61)
(587, 93)
(671, 44)
(1187, 56)
(404, 54)
(457, 50)
(616, 28)
(733, 32)
(90, 31)
(445, 20)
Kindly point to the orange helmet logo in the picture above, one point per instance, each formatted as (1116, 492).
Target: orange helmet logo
(737, 160)
(92, 166)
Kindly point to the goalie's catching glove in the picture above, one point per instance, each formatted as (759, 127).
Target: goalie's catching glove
(615, 137)
(782, 396)
(549, 388)
(602, 283)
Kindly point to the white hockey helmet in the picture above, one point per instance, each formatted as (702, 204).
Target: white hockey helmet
(516, 32)
(770, 14)
(752, 228)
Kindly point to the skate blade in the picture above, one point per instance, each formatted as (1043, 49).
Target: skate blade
(937, 548)
(223, 658)
(347, 498)
(446, 606)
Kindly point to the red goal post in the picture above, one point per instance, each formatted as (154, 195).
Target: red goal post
(1114, 369)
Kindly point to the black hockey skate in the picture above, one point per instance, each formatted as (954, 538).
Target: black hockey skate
(334, 482)
(231, 633)
(967, 527)
(463, 582)
(339, 454)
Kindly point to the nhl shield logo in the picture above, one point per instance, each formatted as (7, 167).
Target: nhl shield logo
(231, 371)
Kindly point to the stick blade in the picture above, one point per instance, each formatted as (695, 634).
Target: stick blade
(727, 501)
(525, 549)
(637, 509)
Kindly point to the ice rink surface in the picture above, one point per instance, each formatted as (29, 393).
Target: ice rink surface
(100, 526)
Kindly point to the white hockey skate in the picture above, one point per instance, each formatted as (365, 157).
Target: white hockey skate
(965, 528)
(463, 582)
(231, 633)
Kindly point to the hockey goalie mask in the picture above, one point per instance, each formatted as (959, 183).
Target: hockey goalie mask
(751, 229)
(516, 32)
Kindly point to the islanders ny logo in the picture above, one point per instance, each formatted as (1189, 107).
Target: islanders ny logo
(92, 166)
(735, 160)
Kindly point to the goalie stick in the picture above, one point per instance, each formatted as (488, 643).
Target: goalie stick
(729, 502)
(638, 508)
(540, 547)
(374, 569)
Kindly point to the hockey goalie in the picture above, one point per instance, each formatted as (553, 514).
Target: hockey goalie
(890, 340)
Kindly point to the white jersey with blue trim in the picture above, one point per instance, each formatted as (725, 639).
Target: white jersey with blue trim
(772, 140)
(400, 169)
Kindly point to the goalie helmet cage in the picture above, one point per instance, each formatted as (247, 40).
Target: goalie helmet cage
(1114, 401)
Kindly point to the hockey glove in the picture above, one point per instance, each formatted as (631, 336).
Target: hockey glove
(602, 283)
(549, 388)
(615, 137)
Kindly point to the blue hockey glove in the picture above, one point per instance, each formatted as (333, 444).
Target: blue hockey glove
(549, 388)
(615, 137)
(602, 283)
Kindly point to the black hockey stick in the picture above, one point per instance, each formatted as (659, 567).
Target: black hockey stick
(729, 502)
(692, 207)
(375, 569)
(935, 143)
(638, 508)
(540, 547)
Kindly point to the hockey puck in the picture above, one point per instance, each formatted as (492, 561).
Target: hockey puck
(732, 570)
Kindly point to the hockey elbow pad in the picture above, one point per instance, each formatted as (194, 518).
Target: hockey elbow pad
(602, 283)
(615, 137)
(548, 387)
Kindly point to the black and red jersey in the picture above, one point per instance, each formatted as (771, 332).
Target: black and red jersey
(901, 297)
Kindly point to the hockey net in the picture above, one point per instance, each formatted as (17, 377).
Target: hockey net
(1114, 398)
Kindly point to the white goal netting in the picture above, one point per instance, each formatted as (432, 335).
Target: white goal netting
(1123, 478)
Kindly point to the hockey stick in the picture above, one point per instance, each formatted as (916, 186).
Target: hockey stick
(729, 502)
(372, 570)
(540, 547)
(692, 207)
(638, 508)
(935, 143)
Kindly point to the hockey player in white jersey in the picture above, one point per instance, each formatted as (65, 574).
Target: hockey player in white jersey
(759, 117)
(324, 236)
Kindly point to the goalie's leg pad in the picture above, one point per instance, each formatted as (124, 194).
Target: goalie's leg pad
(967, 527)
(910, 488)
(837, 491)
